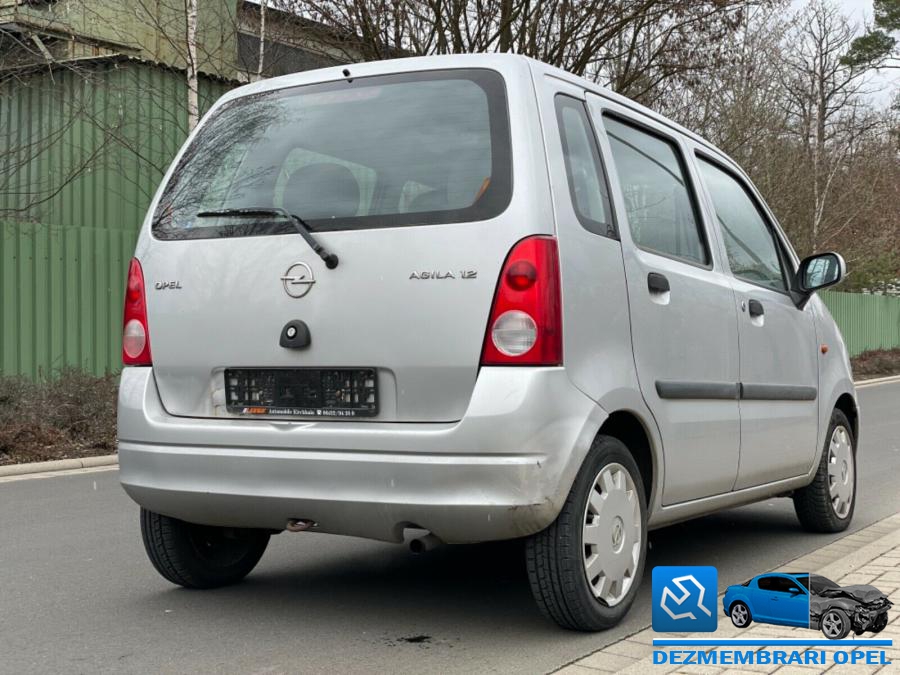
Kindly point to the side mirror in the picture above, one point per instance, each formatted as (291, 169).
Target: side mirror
(820, 271)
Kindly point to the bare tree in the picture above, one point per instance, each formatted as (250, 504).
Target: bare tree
(632, 45)
(262, 38)
(193, 94)
(822, 97)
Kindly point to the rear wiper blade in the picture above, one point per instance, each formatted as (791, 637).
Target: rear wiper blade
(331, 260)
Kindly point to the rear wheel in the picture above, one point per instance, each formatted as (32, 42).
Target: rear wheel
(740, 615)
(835, 624)
(200, 556)
(827, 504)
(585, 568)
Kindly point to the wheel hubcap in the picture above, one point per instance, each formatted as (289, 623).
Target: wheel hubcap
(611, 534)
(739, 614)
(832, 624)
(840, 472)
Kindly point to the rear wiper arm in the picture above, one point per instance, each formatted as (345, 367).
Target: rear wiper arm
(331, 260)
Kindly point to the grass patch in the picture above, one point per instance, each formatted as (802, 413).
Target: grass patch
(71, 415)
(876, 363)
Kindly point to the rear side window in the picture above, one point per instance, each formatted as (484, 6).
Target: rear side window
(386, 151)
(587, 184)
(749, 242)
(658, 200)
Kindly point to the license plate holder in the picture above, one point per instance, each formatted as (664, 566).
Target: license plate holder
(302, 392)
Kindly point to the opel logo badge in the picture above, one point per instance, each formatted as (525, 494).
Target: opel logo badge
(298, 280)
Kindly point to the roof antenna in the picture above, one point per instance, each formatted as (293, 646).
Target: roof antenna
(346, 72)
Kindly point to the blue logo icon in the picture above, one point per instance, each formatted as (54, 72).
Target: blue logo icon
(684, 599)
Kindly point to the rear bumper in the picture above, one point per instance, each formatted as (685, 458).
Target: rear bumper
(503, 471)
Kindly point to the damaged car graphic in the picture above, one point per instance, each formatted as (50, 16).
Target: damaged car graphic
(837, 610)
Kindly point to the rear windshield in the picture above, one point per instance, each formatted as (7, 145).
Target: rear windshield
(386, 151)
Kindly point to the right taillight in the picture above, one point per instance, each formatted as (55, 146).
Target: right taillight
(135, 333)
(525, 326)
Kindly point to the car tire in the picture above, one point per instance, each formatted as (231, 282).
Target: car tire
(200, 556)
(823, 505)
(607, 493)
(880, 623)
(744, 618)
(835, 624)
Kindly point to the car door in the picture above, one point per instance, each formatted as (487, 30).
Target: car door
(765, 600)
(778, 355)
(793, 602)
(785, 602)
(682, 311)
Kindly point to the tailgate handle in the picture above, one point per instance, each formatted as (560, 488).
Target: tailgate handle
(295, 335)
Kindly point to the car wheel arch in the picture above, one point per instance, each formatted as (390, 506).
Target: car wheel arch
(629, 428)
(847, 405)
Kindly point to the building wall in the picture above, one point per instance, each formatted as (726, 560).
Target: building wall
(81, 155)
(149, 29)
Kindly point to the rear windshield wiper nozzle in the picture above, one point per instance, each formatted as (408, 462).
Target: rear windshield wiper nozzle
(331, 260)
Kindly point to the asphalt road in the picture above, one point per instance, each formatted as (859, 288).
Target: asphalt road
(78, 595)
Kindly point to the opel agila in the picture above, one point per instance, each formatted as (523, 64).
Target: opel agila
(468, 298)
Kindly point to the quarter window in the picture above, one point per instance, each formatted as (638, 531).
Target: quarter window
(658, 201)
(749, 241)
(587, 184)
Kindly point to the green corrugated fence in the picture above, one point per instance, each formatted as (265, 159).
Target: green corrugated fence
(81, 154)
(866, 321)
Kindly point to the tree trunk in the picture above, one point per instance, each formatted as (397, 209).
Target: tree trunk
(193, 93)
(262, 39)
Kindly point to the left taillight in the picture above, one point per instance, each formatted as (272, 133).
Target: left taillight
(135, 332)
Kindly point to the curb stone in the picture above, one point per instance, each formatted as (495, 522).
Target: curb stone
(58, 465)
(832, 560)
(877, 380)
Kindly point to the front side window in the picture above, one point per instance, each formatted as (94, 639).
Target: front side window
(768, 584)
(658, 201)
(385, 151)
(749, 242)
(587, 184)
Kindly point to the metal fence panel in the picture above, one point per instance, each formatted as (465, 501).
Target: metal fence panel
(866, 321)
(92, 145)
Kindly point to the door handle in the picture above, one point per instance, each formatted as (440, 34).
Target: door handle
(657, 283)
(756, 308)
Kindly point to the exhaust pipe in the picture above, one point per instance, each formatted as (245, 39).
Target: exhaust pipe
(422, 544)
(299, 524)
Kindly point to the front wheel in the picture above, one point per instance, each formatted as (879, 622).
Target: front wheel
(585, 568)
(200, 556)
(827, 504)
(835, 624)
(880, 623)
(740, 615)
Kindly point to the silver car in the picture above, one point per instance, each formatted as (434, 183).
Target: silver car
(469, 298)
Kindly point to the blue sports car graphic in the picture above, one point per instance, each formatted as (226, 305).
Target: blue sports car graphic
(778, 598)
(808, 601)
